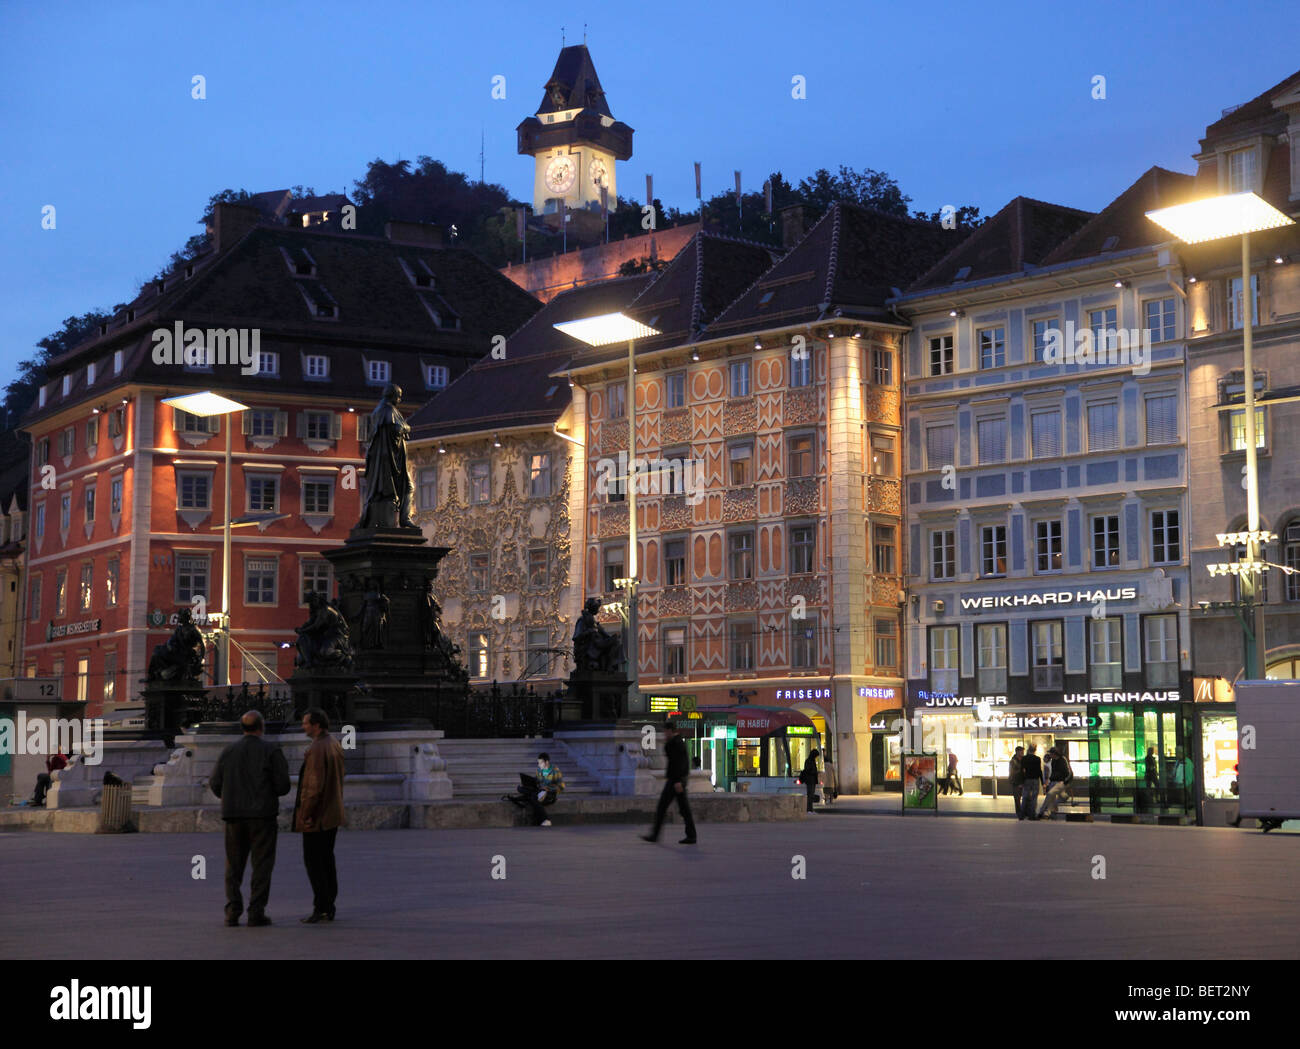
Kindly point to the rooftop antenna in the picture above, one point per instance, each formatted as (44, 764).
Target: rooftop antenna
(561, 36)
(480, 155)
(584, 34)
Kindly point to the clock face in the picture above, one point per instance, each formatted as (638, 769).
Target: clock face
(598, 172)
(560, 173)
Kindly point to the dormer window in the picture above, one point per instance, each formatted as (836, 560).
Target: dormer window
(436, 376)
(443, 315)
(316, 366)
(67, 384)
(319, 301)
(189, 271)
(268, 363)
(130, 316)
(1243, 171)
(1110, 243)
(378, 372)
(299, 261)
(418, 273)
(117, 362)
(90, 374)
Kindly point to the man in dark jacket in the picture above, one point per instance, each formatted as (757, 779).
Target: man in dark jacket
(1016, 774)
(1032, 768)
(808, 777)
(1058, 783)
(250, 778)
(679, 770)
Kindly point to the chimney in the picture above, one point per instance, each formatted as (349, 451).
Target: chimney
(792, 225)
(230, 222)
(425, 234)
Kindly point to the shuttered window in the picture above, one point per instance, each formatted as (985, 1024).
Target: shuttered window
(939, 443)
(1162, 418)
(992, 440)
(1046, 428)
(1103, 426)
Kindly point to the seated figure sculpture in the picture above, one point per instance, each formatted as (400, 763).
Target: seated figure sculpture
(594, 647)
(323, 641)
(180, 658)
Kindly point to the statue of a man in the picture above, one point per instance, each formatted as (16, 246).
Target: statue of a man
(323, 639)
(374, 617)
(180, 658)
(595, 648)
(388, 484)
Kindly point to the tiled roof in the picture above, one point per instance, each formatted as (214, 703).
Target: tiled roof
(1122, 224)
(1261, 106)
(328, 202)
(520, 389)
(575, 76)
(848, 262)
(1023, 232)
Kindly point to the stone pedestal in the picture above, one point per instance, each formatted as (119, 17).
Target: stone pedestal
(80, 784)
(596, 695)
(170, 706)
(401, 656)
(333, 691)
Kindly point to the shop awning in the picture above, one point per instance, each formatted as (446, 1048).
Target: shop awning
(762, 721)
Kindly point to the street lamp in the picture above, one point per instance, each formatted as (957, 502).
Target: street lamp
(606, 330)
(205, 405)
(1236, 215)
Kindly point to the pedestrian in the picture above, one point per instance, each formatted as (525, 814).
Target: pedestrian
(550, 781)
(830, 783)
(674, 786)
(1031, 767)
(1015, 772)
(250, 778)
(45, 780)
(1059, 781)
(318, 813)
(954, 778)
(808, 777)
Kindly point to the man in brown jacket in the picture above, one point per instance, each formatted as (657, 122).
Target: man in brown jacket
(318, 813)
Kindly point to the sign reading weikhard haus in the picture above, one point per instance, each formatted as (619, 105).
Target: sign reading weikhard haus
(1051, 597)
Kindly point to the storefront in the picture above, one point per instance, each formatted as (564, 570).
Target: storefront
(886, 750)
(751, 749)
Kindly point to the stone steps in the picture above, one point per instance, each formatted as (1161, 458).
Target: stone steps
(488, 768)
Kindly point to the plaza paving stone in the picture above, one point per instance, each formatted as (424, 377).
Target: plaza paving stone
(965, 888)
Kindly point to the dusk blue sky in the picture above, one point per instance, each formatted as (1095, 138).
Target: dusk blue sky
(962, 103)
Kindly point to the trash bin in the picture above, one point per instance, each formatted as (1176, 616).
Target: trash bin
(115, 808)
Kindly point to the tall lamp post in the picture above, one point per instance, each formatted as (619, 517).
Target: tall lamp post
(608, 329)
(1215, 218)
(206, 405)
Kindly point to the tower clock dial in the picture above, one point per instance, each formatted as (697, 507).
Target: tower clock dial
(599, 175)
(560, 173)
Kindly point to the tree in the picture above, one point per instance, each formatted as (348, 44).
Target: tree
(868, 188)
(965, 217)
(21, 391)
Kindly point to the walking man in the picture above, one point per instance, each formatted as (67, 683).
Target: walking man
(679, 769)
(250, 778)
(1031, 767)
(1061, 776)
(1017, 776)
(318, 813)
(808, 777)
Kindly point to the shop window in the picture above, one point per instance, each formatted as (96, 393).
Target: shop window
(991, 651)
(1106, 662)
(1161, 651)
(1219, 753)
(1049, 653)
(943, 659)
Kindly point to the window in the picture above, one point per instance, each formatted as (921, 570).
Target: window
(1242, 171)
(1161, 651)
(885, 547)
(436, 376)
(316, 366)
(261, 422)
(940, 443)
(539, 475)
(112, 571)
(195, 491)
(616, 393)
(742, 646)
(185, 423)
(191, 578)
(991, 651)
(1048, 552)
(1161, 320)
(941, 355)
(1042, 333)
(675, 390)
(89, 497)
(538, 653)
(539, 567)
(92, 433)
(1105, 646)
(61, 592)
(34, 599)
(803, 642)
(992, 435)
(86, 588)
(480, 481)
(615, 568)
(1105, 541)
(268, 363)
(1102, 323)
(993, 347)
(800, 367)
(674, 651)
(480, 661)
(802, 549)
(943, 659)
(1237, 429)
(740, 555)
(115, 496)
(315, 579)
(675, 562)
(1291, 558)
(1166, 538)
(882, 455)
(317, 496)
(882, 367)
(262, 493)
(67, 441)
(320, 426)
(993, 550)
(65, 511)
(739, 378)
(39, 526)
(110, 677)
(943, 558)
(427, 488)
(801, 455)
(886, 644)
(1162, 418)
(479, 573)
(1241, 583)
(378, 371)
(1045, 431)
(740, 463)
(83, 680)
(43, 451)
(1103, 426)
(259, 581)
(1235, 312)
(1048, 653)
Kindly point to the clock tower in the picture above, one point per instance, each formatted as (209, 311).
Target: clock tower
(574, 139)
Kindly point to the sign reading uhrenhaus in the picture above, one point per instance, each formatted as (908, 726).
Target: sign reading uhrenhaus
(945, 700)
